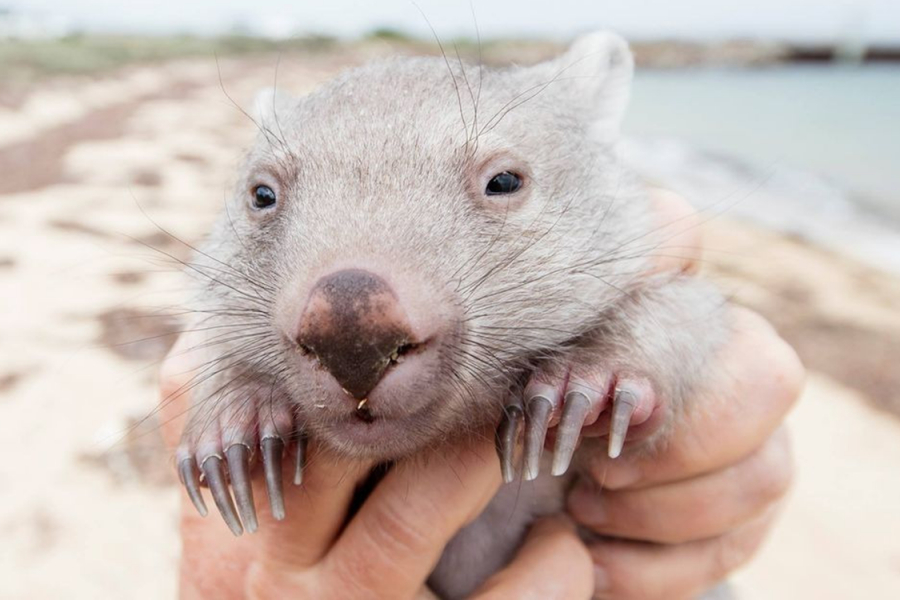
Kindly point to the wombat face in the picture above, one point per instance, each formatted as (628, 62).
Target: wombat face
(418, 234)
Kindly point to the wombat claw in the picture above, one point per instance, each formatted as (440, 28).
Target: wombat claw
(567, 407)
(233, 469)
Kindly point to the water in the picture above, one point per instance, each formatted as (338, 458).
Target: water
(813, 150)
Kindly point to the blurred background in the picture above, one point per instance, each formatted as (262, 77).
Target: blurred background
(121, 127)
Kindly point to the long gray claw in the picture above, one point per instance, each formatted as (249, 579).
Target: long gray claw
(624, 404)
(539, 410)
(272, 450)
(190, 478)
(238, 456)
(577, 406)
(507, 435)
(214, 471)
(299, 459)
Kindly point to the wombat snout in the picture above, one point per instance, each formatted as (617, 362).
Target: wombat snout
(356, 328)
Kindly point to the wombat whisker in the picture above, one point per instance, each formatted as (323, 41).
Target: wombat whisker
(531, 243)
(173, 332)
(274, 107)
(234, 230)
(265, 131)
(230, 268)
(201, 374)
(715, 209)
(234, 338)
(471, 264)
(200, 269)
(483, 369)
(240, 354)
(249, 367)
(193, 267)
(474, 128)
(440, 45)
(502, 265)
(525, 328)
(540, 87)
(480, 75)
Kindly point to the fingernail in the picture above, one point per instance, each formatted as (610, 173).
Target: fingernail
(601, 580)
(586, 504)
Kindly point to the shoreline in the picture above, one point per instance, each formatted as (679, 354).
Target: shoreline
(787, 200)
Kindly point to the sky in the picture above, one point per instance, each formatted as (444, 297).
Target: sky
(797, 20)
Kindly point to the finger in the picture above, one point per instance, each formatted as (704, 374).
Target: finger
(757, 379)
(205, 548)
(390, 547)
(317, 511)
(678, 571)
(551, 548)
(702, 507)
(678, 244)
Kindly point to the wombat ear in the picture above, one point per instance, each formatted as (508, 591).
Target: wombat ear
(271, 106)
(597, 70)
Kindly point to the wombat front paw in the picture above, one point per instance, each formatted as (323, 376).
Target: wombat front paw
(559, 407)
(223, 449)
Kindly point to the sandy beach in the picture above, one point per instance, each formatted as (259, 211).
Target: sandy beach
(97, 170)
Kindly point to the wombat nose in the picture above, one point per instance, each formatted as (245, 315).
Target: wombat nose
(355, 328)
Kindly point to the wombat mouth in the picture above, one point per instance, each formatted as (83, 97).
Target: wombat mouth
(363, 413)
(380, 436)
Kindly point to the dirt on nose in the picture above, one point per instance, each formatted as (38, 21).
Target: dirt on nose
(355, 327)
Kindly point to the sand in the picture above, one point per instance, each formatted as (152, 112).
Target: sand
(85, 271)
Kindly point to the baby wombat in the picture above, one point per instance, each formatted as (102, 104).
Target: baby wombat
(422, 249)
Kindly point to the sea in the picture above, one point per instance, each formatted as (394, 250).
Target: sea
(809, 150)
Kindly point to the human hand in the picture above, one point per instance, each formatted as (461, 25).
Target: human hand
(680, 521)
(387, 550)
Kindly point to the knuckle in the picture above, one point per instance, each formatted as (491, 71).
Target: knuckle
(614, 475)
(578, 556)
(773, 359)
(390, 529)
(262, 582)
(671, 208)
(579, 563)
(788, 371)
(701, 515)
(347, 579)
(775, 470)
(387, 539)
(729, 552)
(639, 517)
(642, 588)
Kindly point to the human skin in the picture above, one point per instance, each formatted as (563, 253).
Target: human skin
(675, 524)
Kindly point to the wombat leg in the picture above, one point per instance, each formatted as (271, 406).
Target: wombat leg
(219, 452)
(559, 405)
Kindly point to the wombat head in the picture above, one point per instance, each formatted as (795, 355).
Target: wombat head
(416, 235)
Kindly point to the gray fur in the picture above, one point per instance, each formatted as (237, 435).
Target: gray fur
(381, 164)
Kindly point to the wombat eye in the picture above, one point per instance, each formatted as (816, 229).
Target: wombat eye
(503, 183)
(263, 197)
